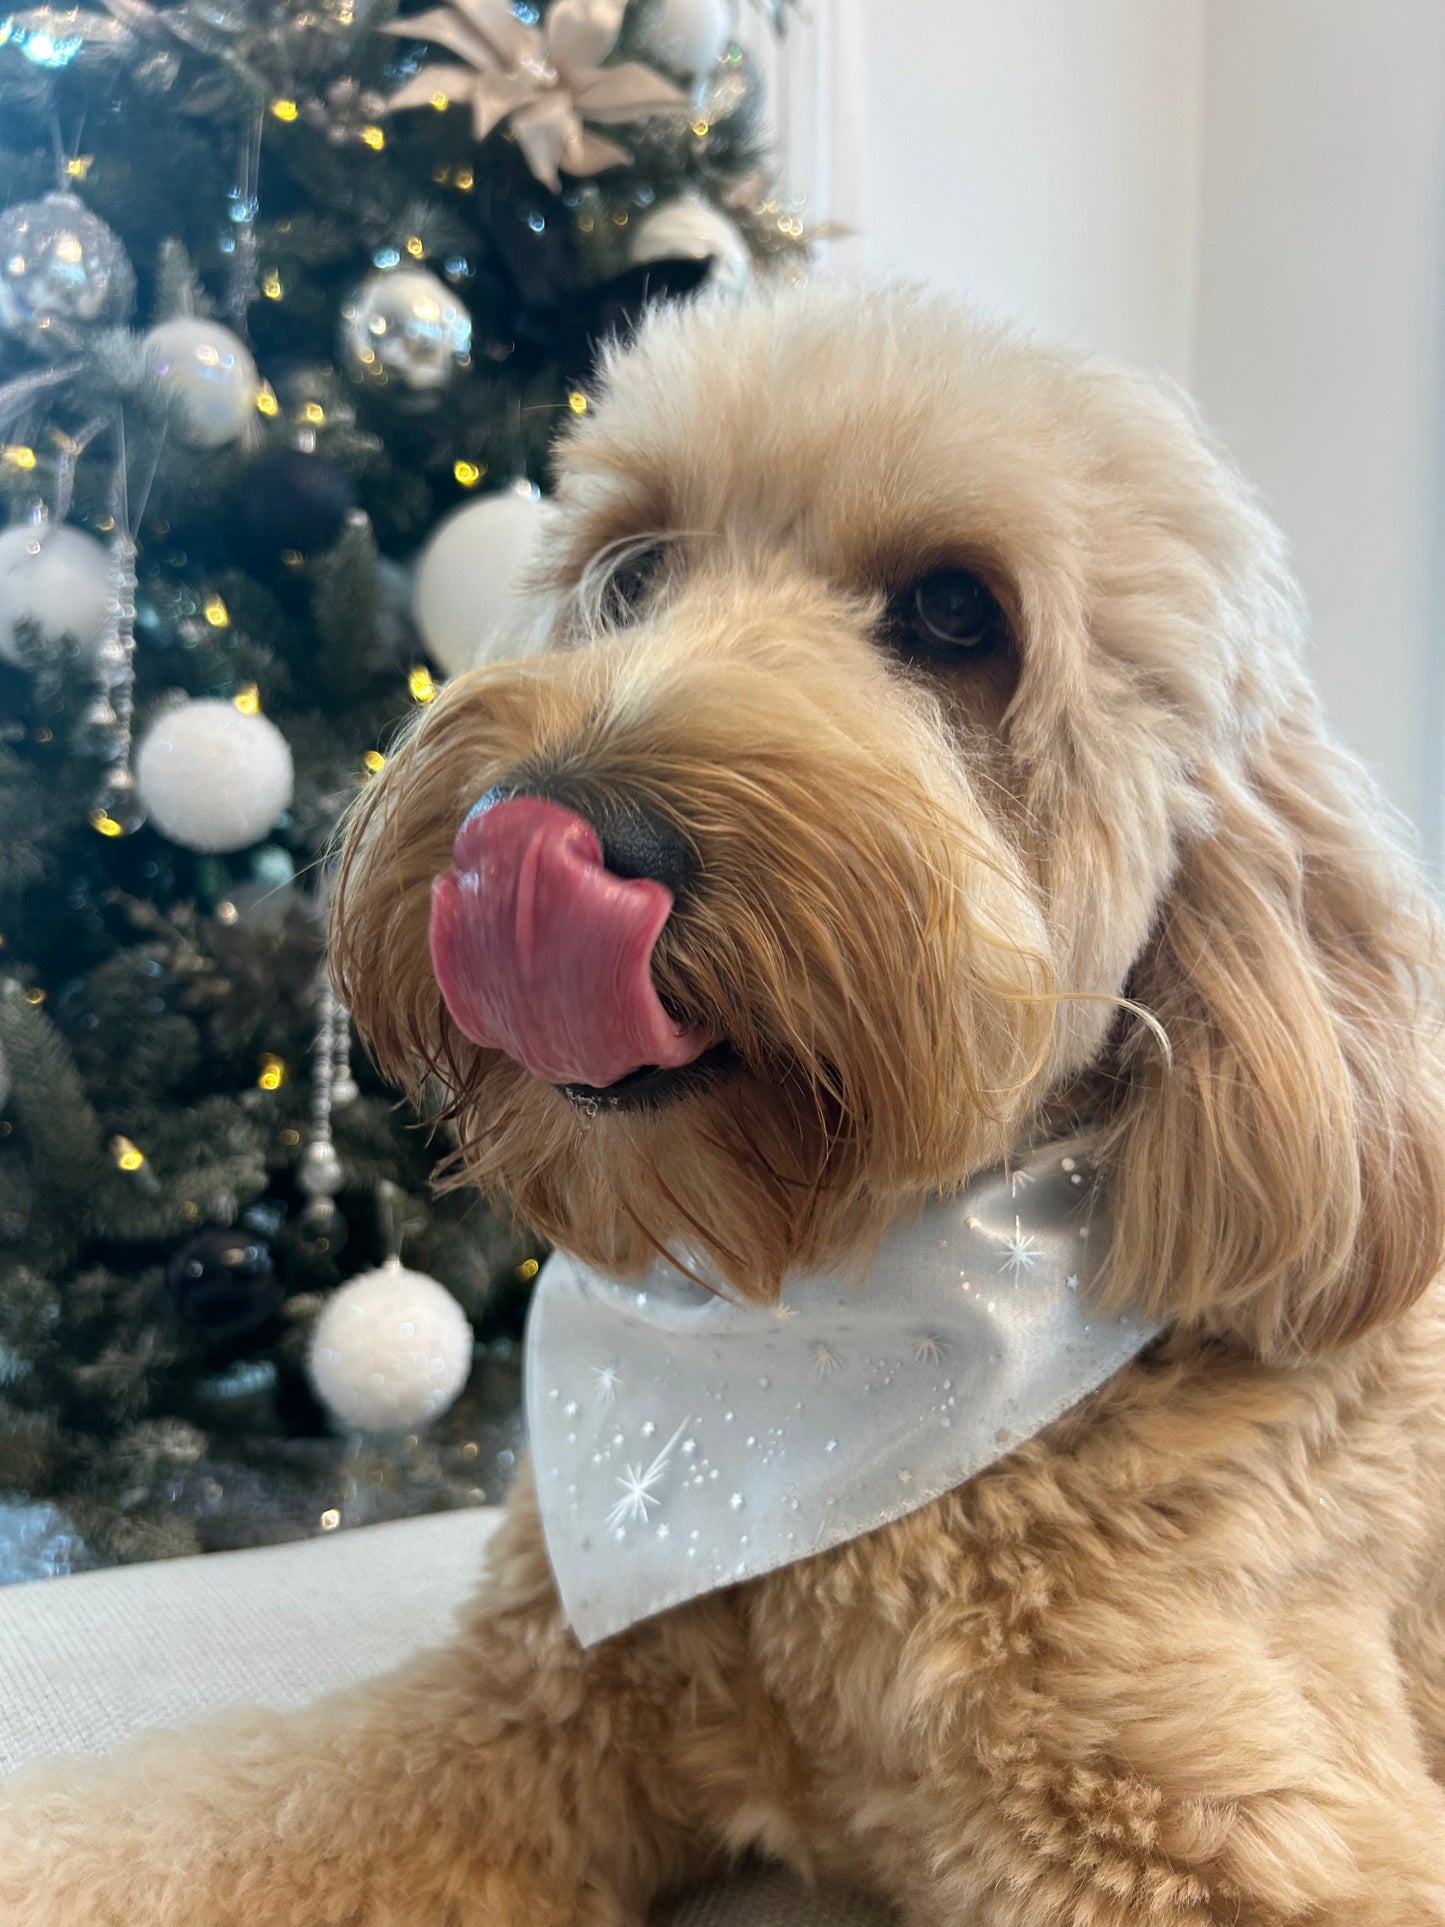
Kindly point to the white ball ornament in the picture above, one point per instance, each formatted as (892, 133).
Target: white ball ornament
(211, 778)
(391, 1351)
(466, 594)
(56, 577)
(405, 323)
(692, 229)
(211, 374)
(689, 34)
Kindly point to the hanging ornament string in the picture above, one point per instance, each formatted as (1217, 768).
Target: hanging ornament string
(117, 810)
(318, 1169)
(343, 1084)
(242, 206)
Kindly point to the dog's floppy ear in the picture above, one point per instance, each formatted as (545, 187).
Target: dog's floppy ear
(1283, 1179)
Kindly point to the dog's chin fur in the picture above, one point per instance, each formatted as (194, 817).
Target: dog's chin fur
(924, 894)
(1178, 1661)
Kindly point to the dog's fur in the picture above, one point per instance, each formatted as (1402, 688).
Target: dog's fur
(1180, 1658)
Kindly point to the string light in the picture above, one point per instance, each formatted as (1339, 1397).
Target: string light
(330, 1519)
(248, 699)
(126, 1154)
(701, 128)
(577, 402)
(266, 399)
(528, 1270)
(35, 996)
(414, 246)
(465, 179)
(374, 138)
(101, 820)
(441, 102)
(374, 761)
(469, 473)
(284, 109)
(292, 558)
(314, 412)
(216, 612)
(273, 1072)
(271, 285)
(80, 166)
(19, 456)
(420, 683)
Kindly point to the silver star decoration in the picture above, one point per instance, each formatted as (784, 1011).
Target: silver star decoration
(639, 1487)
(1019, 1255)
(608, 1378)
(545, 80)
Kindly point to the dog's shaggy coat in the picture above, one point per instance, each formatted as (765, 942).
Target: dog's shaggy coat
(1181, 1657)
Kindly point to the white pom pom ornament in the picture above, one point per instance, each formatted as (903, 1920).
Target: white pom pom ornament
(391, 1350)
(56, 577)
(466, 592)
(689, 34)
(212, 778)
(210, 372)
(692, 229)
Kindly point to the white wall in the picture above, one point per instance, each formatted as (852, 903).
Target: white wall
(1248, 194)
(1319, 344)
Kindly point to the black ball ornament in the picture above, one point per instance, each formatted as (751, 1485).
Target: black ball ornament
(223, 1281)
(290, 500)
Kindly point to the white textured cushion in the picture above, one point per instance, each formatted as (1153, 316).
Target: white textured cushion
(87, 1661)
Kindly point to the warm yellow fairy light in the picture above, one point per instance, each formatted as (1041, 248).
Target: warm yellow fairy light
(19, 456)
(271, 286)
(468, 473)
(80, 166)
(441, 175)
(266, 400)
(273, 1072)
(126, 1155)
(619, 217)
(216, 612)
(441, 101)
(528, 1270)
(330, 1519)
(420, 683)
(313, 412)
(35, 995)
(105, 523)
(465, 179)
(700, 128)
(102, 820)
(292, 558)
(373, 137)
(284, 109)
(374, 761)
(577, 402)
(414, 246)
(248, 700)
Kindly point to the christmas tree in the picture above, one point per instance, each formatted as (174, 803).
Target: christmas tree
(292, 301)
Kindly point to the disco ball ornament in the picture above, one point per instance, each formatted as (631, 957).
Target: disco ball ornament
(390, 1351)
(212, 778)
(692, 229)
(209, 373)
(61, 268)
(404, 324)
(466, 590)
(57, 579)
(223, 1282)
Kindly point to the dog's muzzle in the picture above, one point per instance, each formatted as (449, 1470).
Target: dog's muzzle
(545, 953)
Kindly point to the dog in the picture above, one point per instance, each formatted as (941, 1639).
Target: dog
(935, 706)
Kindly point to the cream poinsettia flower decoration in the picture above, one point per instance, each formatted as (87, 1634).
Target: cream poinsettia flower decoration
(546, 79)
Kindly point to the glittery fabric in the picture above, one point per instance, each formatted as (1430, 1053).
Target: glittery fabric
(684, 1441)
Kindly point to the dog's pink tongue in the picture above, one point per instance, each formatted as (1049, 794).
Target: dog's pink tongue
(542, 953)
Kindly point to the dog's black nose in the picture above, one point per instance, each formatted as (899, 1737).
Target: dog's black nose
(637, 840)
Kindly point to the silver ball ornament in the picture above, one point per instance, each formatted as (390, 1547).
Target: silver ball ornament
(405, 324)
(345, 1090)
(60, 267)
(209, 373)
(318, 1170)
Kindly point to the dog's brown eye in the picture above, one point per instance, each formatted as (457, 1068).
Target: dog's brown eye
(631, 582)
(947, 616)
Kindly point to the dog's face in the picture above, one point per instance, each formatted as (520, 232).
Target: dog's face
(909, 697)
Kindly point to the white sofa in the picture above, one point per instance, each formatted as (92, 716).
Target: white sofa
(89, 1660)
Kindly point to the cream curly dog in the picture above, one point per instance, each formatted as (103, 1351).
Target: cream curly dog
(950, 691)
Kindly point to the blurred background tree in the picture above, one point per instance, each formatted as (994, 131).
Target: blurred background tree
(292, 301)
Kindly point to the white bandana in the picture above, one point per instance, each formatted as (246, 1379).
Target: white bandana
(684, 1441)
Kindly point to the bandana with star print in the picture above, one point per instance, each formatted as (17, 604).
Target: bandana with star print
(684, 1440)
